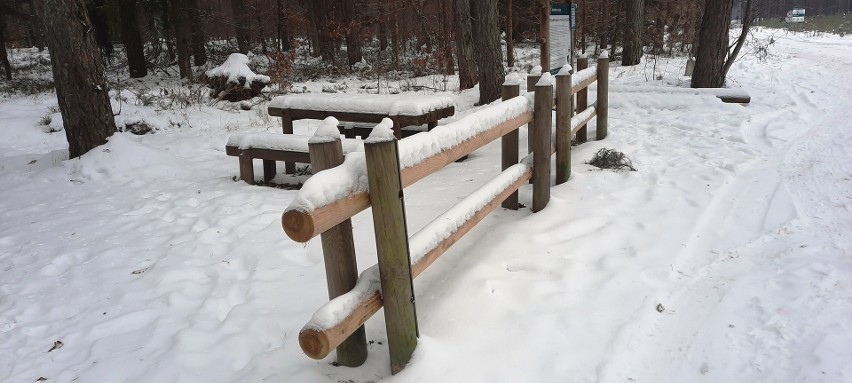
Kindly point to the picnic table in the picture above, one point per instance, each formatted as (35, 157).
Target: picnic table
(403, 110)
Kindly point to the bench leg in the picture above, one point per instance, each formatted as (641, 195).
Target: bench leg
(290, 167)
(268, 170)
(246, 169)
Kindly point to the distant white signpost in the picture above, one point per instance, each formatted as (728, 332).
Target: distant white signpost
(797, 15)
(562, 22)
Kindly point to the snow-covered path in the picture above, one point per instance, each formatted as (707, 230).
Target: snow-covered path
(725, 258)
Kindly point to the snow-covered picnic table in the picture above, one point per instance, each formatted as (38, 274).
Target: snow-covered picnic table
(403, 110)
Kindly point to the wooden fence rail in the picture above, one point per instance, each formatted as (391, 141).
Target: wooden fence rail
(401, 258)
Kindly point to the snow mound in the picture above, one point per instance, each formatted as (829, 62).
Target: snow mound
(236, 67)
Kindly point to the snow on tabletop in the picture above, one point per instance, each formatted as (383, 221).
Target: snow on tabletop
(604, 54)
(382, 132)
(351, 177)
(326, 131)
(536, 71)
(337, 309)
(565, 70)
(442, 227)
(546, 80)
(236, 66)
(512, 79)
(387, 104)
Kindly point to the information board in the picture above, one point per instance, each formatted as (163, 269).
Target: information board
(562, 22)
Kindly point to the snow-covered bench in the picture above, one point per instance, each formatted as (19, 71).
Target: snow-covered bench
(271, 147)
(403, 110)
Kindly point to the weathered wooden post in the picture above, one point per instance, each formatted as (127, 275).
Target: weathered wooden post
(602, 107)
(532, 79)
(338, 246)
(386, 197)
(511, 89)
(543, 120)
(287, 128)
(564, 111)
(582, 100)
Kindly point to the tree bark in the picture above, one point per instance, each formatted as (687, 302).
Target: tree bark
(132, 38)
(489, 55)
(319, 18)
(544, 34)
(283, 32)
(4, 55)
(603, 28)
(183, 35)
(747, 19)
(712, 45)
(633, 32)
(99, 21)
(447, 40)
(199, 52)
(241, 26)
(78, 72)
(510, 42)
(464, 45)
(353, 32)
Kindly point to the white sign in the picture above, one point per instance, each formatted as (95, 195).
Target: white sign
(560, 35)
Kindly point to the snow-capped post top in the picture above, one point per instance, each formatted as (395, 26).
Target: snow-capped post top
(382, 132)
(326, 131)
(512, 79)
(565, 70)
(536, 70)
(545, 80)
(604, 54)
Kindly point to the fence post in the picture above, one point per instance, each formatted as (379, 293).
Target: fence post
(543, 120)
(338, 250)
(602, 107)
(511, 89)
(386, 198)
(582, 100)
(564, 111)
(532, 79)
(287, 128)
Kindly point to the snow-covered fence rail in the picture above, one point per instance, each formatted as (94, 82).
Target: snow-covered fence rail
(387, 165)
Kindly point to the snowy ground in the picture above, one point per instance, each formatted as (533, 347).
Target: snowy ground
(725, 258)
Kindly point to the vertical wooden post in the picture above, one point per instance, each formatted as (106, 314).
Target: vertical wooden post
(582, 100)
(397, 128)
(532, 79)
(246, 168)
(544, 34)
(564, 111)
(287, 128)
(338, 250)
(392, 247)
(602, 107)
(509, 144)
(541, 147)
(269, 170)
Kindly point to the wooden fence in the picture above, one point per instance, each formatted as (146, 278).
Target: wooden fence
(353, 299)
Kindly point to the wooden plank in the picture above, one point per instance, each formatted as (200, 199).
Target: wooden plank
(302, 226)
(564, 110)
(392, 250)
(582, 100)
(509, 145)
(338, 249)
(543, 121)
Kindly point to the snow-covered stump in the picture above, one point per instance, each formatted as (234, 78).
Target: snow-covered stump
(582, 100)
(386, 197)
(234, 80)
(509, 142)
(602, 106)
(542, 123)
(338, 246)
(564, 112)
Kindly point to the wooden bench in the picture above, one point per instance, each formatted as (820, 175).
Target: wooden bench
(271, 147)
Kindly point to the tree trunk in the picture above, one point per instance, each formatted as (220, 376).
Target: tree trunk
(544, 34)
(447, 40)
(353, 32)
(199, 52)
(603, 28)
(319, 18)
(633, 32)
(4, 55)
(183, 35)
(98, 17)
(489, 55)
(464, 45)
(283, 21)
(397, 38)
(241, 26)
(510, 42)
(132, 38)
(78, 71)
(712, 45)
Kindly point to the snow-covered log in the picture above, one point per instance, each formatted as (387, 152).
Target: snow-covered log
(234, 80)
